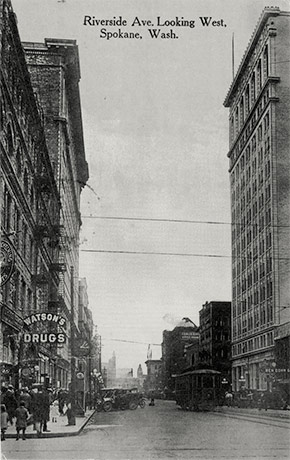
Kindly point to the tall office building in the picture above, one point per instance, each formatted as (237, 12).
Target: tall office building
(259, 118)
(54, 70)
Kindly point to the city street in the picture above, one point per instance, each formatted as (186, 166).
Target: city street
(164, 432)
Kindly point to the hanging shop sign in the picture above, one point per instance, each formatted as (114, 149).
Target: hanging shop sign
(7, 258)
(43, 337)
(42, 317)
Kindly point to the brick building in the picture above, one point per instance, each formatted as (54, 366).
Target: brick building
(173, 350)
(55, 74)
(43, 170)
(259, 111)
(215, 337)
(30, 212)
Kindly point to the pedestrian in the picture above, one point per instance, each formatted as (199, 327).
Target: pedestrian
(36, 408)
(10, 402)
(46, 409)
(25, 396)
(21, 420)
(4, 421)
(61, 401)
(71, 420)
(152, 400)
(229, 398)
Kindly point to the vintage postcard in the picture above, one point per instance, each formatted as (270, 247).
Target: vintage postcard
(145, 303)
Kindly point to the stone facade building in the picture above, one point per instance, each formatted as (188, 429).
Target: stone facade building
(55, 74)
(153, 381)
(43, 170)
(259, 106)
(85, 343)
(30, 212)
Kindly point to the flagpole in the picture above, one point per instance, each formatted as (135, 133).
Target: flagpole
(233, 55)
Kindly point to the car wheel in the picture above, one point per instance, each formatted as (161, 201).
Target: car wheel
(133, 405)
(107, 406)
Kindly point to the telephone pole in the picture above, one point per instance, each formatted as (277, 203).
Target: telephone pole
(72, 420)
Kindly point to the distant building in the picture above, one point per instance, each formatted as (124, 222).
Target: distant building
(109, 371)
(173, 350)
(259, 119)
(191, 352)
(85, 350)
(215, 337)
(153, 381)
(140, 372)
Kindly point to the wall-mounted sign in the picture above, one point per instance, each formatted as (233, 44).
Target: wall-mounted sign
(44, 338)
(10, 317)
(42, 317)
(188, 336)
(80, 375)
(7, 259)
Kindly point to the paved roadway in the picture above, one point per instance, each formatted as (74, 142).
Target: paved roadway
(163, 432)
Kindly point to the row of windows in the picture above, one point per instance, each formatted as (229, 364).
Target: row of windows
(247, 100)
(242, 285)
(247, 302)
(254, 272)
(242, 241)
(242, 196)
(262, 341)
(12, 221)
(17, 292)
(261, 147)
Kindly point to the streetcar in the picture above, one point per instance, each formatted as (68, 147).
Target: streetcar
(198, 390)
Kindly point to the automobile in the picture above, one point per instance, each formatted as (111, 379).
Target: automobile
(106, 399)
(120, 399)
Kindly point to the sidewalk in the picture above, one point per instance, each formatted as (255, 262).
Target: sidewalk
(278, 414)
(58, 428)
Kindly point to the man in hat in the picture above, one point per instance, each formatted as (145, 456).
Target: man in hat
(37, 408)
(26, 398)
(10, 402)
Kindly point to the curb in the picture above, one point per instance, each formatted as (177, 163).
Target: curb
(261, 414)
(86, 422)
(61, 434)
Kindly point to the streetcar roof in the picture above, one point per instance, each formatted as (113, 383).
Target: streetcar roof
(200, 371)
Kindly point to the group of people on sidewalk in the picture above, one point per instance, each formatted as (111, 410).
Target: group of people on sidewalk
(27, 407)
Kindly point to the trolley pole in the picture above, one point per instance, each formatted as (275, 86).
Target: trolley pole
(72, 420)
(90, 368)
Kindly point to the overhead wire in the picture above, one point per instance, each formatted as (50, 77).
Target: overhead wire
(174, 254)
(179, 221)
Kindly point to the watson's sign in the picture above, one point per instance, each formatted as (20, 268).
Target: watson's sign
(44, 337)
(42, 317)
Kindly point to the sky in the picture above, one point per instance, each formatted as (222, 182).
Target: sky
(156, 141)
